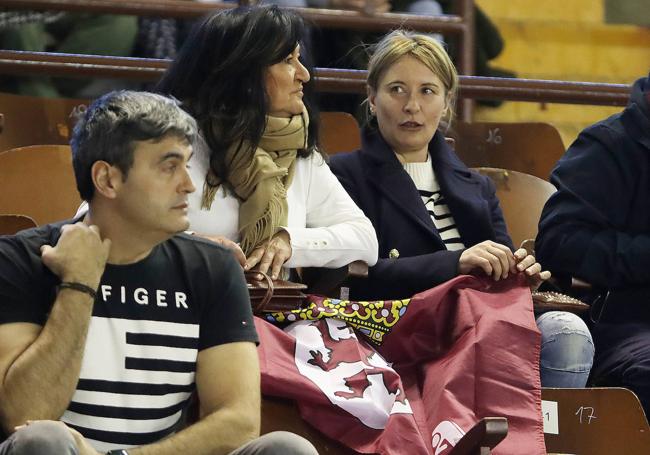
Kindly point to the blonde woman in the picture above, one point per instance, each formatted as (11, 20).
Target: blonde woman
(435, 218)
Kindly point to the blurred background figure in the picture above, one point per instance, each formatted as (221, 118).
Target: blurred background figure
(73, 33)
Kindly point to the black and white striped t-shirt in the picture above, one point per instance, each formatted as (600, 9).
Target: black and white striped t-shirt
(429, 189)
(150, 320)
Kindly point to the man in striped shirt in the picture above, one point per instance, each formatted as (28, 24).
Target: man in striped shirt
(111, 322)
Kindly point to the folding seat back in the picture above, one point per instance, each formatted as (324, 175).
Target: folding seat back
(595, 421)
(522, 198)
(38, 181)
(339, 132)
(533, 148)
(31, 120)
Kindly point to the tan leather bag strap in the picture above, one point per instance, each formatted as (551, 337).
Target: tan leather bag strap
(260, 307)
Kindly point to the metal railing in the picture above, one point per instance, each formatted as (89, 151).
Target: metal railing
(460, 24)
(326, 79)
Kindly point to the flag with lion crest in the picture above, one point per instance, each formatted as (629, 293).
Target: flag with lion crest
(411, 376)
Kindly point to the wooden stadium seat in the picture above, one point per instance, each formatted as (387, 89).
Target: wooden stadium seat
(38, 181)
(533, 148)
(32, 120)
(597, 421)
(280, 414)
(10, 224)
(339, 132)
(522, 198)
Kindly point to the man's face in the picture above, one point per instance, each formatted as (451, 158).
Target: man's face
(153, 198)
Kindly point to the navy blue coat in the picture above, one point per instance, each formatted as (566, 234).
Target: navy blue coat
(378, 183)
(597, 226)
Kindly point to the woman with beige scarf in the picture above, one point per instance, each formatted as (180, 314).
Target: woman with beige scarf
(264, 183)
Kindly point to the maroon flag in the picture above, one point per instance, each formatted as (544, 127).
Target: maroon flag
(437, 364)
(342, 386)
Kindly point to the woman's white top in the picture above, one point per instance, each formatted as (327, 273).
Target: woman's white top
(326, 227)
(425, 181)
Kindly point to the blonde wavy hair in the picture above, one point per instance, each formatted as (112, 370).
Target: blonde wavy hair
(426, 50)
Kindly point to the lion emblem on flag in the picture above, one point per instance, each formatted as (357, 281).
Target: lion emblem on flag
(351, 374)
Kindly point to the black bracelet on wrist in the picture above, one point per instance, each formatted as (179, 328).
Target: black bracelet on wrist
(78, 287)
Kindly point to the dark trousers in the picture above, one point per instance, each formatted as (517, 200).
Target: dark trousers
(623, 358)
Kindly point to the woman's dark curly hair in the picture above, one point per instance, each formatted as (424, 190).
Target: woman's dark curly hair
(219, 75)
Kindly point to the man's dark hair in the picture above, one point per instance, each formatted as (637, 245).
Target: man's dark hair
(108, 129)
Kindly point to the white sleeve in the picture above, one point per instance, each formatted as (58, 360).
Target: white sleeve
(336, 232)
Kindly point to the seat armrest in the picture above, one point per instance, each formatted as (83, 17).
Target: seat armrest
(482, 437)
(323, 281)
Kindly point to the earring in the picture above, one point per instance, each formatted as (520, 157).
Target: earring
(371, 109)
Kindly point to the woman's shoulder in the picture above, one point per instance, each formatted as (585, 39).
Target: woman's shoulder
(438, 147)
(316, 162)
(346, 162)
(446, 160)
(308, 168)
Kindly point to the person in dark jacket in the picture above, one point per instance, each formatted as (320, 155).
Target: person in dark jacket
(434, 217)
(597, 228)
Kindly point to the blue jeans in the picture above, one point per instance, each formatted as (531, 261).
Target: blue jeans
(567, 350)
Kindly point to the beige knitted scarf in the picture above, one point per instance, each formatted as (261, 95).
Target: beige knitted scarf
(261, 183)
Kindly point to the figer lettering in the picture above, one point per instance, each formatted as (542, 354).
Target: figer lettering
(142, 296)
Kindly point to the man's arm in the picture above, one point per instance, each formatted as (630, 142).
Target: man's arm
(228, 384)
(584, 229)
(39, 367)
